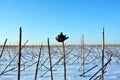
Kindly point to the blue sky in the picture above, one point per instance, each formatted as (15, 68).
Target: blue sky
(42, 19)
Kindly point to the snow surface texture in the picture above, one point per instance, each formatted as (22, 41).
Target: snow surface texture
(73, 61)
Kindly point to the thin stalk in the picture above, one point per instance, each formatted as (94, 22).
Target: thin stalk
(103, 42)
(64, 60)
(89, 70)
(82, 54)
(19, 53)
(3, 47)
(50, 59)
(38, 63)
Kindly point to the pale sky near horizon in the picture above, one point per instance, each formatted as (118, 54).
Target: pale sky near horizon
(42, 19)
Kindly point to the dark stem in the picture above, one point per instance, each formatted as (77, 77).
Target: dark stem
(64, 60)
(38, 63)
(19, 53)
(3, 48)
(50, 59)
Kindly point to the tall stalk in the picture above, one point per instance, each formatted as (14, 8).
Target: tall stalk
(103, 42)
(82, 54)
(64, 60)
(38, 63)
(62, 38)
(50, 59)
(19, 53)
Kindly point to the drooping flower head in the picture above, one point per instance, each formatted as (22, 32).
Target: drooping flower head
(61, 37)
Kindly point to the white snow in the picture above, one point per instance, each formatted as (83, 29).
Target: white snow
(73, 64)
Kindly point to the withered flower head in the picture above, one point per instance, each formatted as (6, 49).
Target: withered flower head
(61, 37)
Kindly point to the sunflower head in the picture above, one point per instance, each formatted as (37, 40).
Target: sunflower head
(61, 37)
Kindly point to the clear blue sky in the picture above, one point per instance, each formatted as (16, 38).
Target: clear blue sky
(42, 19)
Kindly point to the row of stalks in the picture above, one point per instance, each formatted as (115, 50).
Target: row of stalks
(25, 57)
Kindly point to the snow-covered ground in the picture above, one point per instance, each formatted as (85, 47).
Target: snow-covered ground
(73, 60)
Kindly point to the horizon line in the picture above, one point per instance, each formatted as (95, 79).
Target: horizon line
(56, 45)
